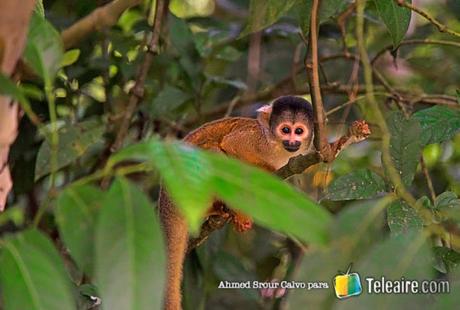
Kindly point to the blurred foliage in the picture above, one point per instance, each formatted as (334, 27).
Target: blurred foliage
(68, 242)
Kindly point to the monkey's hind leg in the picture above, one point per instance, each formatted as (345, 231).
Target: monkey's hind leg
(175, 229)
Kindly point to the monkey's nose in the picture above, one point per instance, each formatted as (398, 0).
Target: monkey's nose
(291, 146)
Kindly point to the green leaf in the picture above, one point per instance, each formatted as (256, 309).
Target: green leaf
(39, 8)
(403, 218)
(406, 256)
(177, 168)
(447, 200)
(405, 145)
(396, 19)
(457, 91)
(9, 88)
(357, 228)
(130, 260)
(169, 99)
(270, 201)
(180, 35)
(263, 13)
(76, 217)
(44, 49)
(359, 184)
(32, 274)
(328, 9)
(438, 124)
(70, 57)
(74, 141)
(450, 300)
(447, 259)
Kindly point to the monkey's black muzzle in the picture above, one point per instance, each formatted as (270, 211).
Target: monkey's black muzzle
(291, 146)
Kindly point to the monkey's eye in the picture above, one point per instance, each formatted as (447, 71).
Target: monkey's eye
(286, 130)
(298, 131)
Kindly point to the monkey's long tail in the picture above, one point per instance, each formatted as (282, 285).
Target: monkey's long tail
(175, 229)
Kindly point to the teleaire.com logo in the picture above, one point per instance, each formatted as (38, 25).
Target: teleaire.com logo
(349, 284)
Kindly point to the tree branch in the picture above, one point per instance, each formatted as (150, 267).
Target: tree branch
(441, 27)
(102, 17)
(137, 92)
(312, 66)
(414, 42)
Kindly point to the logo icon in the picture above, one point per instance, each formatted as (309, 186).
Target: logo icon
(347, 285)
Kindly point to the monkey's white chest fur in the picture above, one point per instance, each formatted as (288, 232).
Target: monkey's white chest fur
(280, 157)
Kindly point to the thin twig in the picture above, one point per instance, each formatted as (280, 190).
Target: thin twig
(137, 92)
(393, 174)
(441, 27)
(414, 42)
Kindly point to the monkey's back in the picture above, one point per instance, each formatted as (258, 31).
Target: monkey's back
(210, 135)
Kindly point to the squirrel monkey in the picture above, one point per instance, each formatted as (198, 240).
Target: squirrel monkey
(282, 130)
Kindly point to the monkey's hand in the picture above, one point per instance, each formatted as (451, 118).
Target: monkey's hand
(359, 130)
(241, 222)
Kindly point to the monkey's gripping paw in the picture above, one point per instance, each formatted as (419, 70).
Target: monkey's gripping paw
(242, 222)
(360, 130)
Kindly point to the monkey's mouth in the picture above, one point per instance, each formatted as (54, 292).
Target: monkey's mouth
(291, 148)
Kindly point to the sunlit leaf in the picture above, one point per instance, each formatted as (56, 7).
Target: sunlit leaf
(130, 260)
(32, 274)
(70, 57)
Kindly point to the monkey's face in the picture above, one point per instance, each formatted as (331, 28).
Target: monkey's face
(291, 122)
(293, 135)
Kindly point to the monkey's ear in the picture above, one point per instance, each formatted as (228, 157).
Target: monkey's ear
(263, 114)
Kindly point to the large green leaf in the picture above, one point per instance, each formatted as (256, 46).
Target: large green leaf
(359, 184)
(449, 299)
(130, 260)
(74, 141)
(263, 13)
(438, 124)
(355, 229)
(447, 259)
(44, 49)
(405, 256)
(194, 177)
(32, 275)
(403, 218)
(76, 217)
(396, 19)
(327, 9)
(405, 145)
